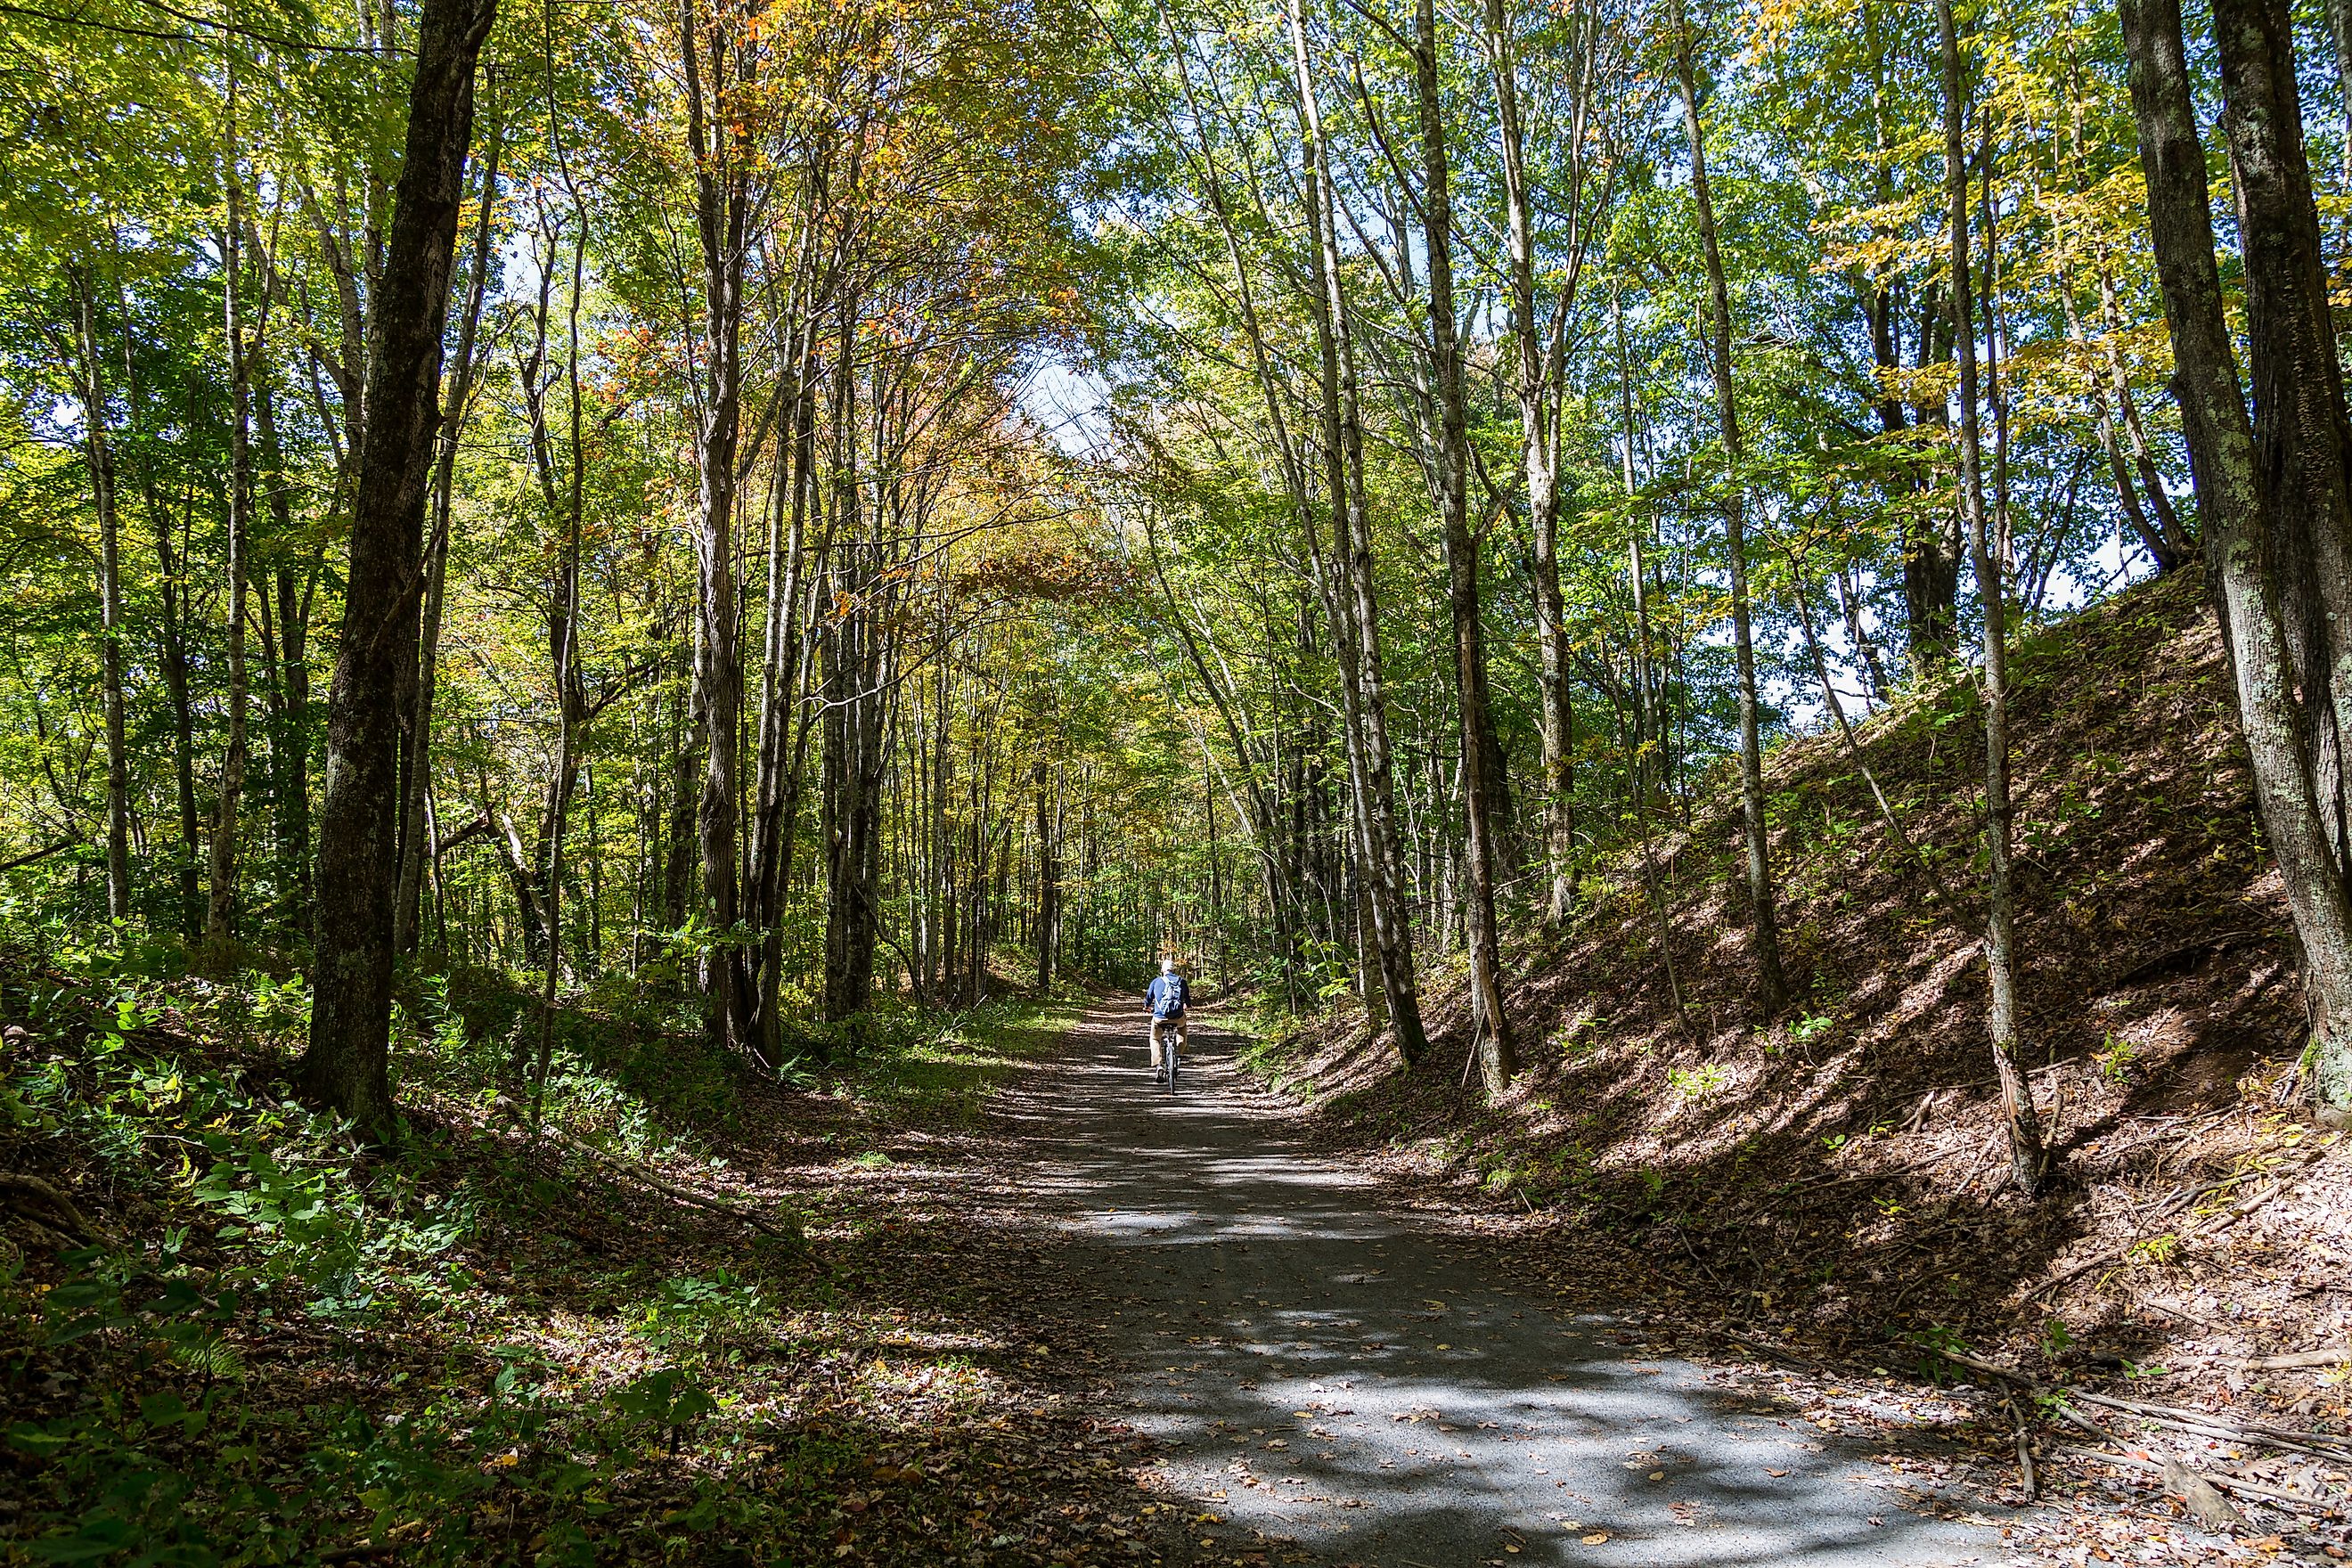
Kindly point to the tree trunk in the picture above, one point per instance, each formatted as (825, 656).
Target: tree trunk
(221, 884)
(2301, 440)
(2303, 446)
(2025, 1149)
(683, 795)
(2339, 33)
(2159, 549)
(416, 777)
(346, 1064)
(1931, 543)
(290, 745)
(1772, 984)
(567, 677)
(173, 656)
(1498, 1058)
(1354, 602)
(1538, 458)
(2178, 537)
(1865, 646)
(110, 592)
(2233, 505)
(1930, 554)
(722, 210)
(1049, 882)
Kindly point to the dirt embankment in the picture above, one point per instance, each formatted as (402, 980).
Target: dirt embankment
(1838, 1173)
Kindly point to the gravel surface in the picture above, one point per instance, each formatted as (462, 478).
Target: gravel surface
(1348, 1384)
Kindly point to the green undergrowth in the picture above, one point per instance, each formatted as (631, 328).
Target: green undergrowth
(228, 1335)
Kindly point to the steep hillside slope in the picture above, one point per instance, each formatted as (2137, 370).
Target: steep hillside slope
(1838, 1173)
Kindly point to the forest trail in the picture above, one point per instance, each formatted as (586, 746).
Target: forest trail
(1317, 1369)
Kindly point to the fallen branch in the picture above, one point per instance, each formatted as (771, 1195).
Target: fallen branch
(47, 1195)
(2243, 1207)
(2292, 1359)
(2025, 1451)
(2315, 1445)
(2186, 1197)
(2196, 1423)
(2231, 1483)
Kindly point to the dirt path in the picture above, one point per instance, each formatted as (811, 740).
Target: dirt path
(1320, 1371)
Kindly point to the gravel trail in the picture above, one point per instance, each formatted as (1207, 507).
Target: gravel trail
(1322, 1372)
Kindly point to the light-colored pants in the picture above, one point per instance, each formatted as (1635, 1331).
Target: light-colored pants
(1175, 1025)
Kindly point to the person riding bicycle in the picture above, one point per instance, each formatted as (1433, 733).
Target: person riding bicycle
(1168, 995)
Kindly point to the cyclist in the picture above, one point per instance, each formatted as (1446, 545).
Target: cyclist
(1168, 995)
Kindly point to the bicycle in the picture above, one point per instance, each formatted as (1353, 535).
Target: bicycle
(1174, 1045)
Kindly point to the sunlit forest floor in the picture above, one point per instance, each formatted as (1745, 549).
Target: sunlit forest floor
(807, 1330)
(1832, 1191)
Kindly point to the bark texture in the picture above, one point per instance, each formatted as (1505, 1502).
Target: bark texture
(2234, 505)
(345, 1066)
(722, 214)
(1350, 597)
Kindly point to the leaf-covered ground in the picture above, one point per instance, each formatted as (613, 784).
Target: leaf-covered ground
(1832, 1185)
(230, 1337)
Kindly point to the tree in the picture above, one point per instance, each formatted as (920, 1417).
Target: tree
(1497, 1057)
(345, 1066)
(2256, 496)
(1772, 982)
(2025, 1150)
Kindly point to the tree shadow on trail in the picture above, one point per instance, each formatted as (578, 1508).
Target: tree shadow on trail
(1323, 1375)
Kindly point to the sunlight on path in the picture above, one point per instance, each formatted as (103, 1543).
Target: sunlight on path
(1319, 1372)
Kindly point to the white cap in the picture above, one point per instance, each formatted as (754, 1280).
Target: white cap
(1167, 966)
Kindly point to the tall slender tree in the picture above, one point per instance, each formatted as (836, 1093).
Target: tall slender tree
(221, 884)
(1352, 596)
(1498, 1056)
(1772, 985)
(346, 1063)
(2024, 1123)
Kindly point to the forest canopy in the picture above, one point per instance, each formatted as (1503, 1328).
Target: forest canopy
(798, 509)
